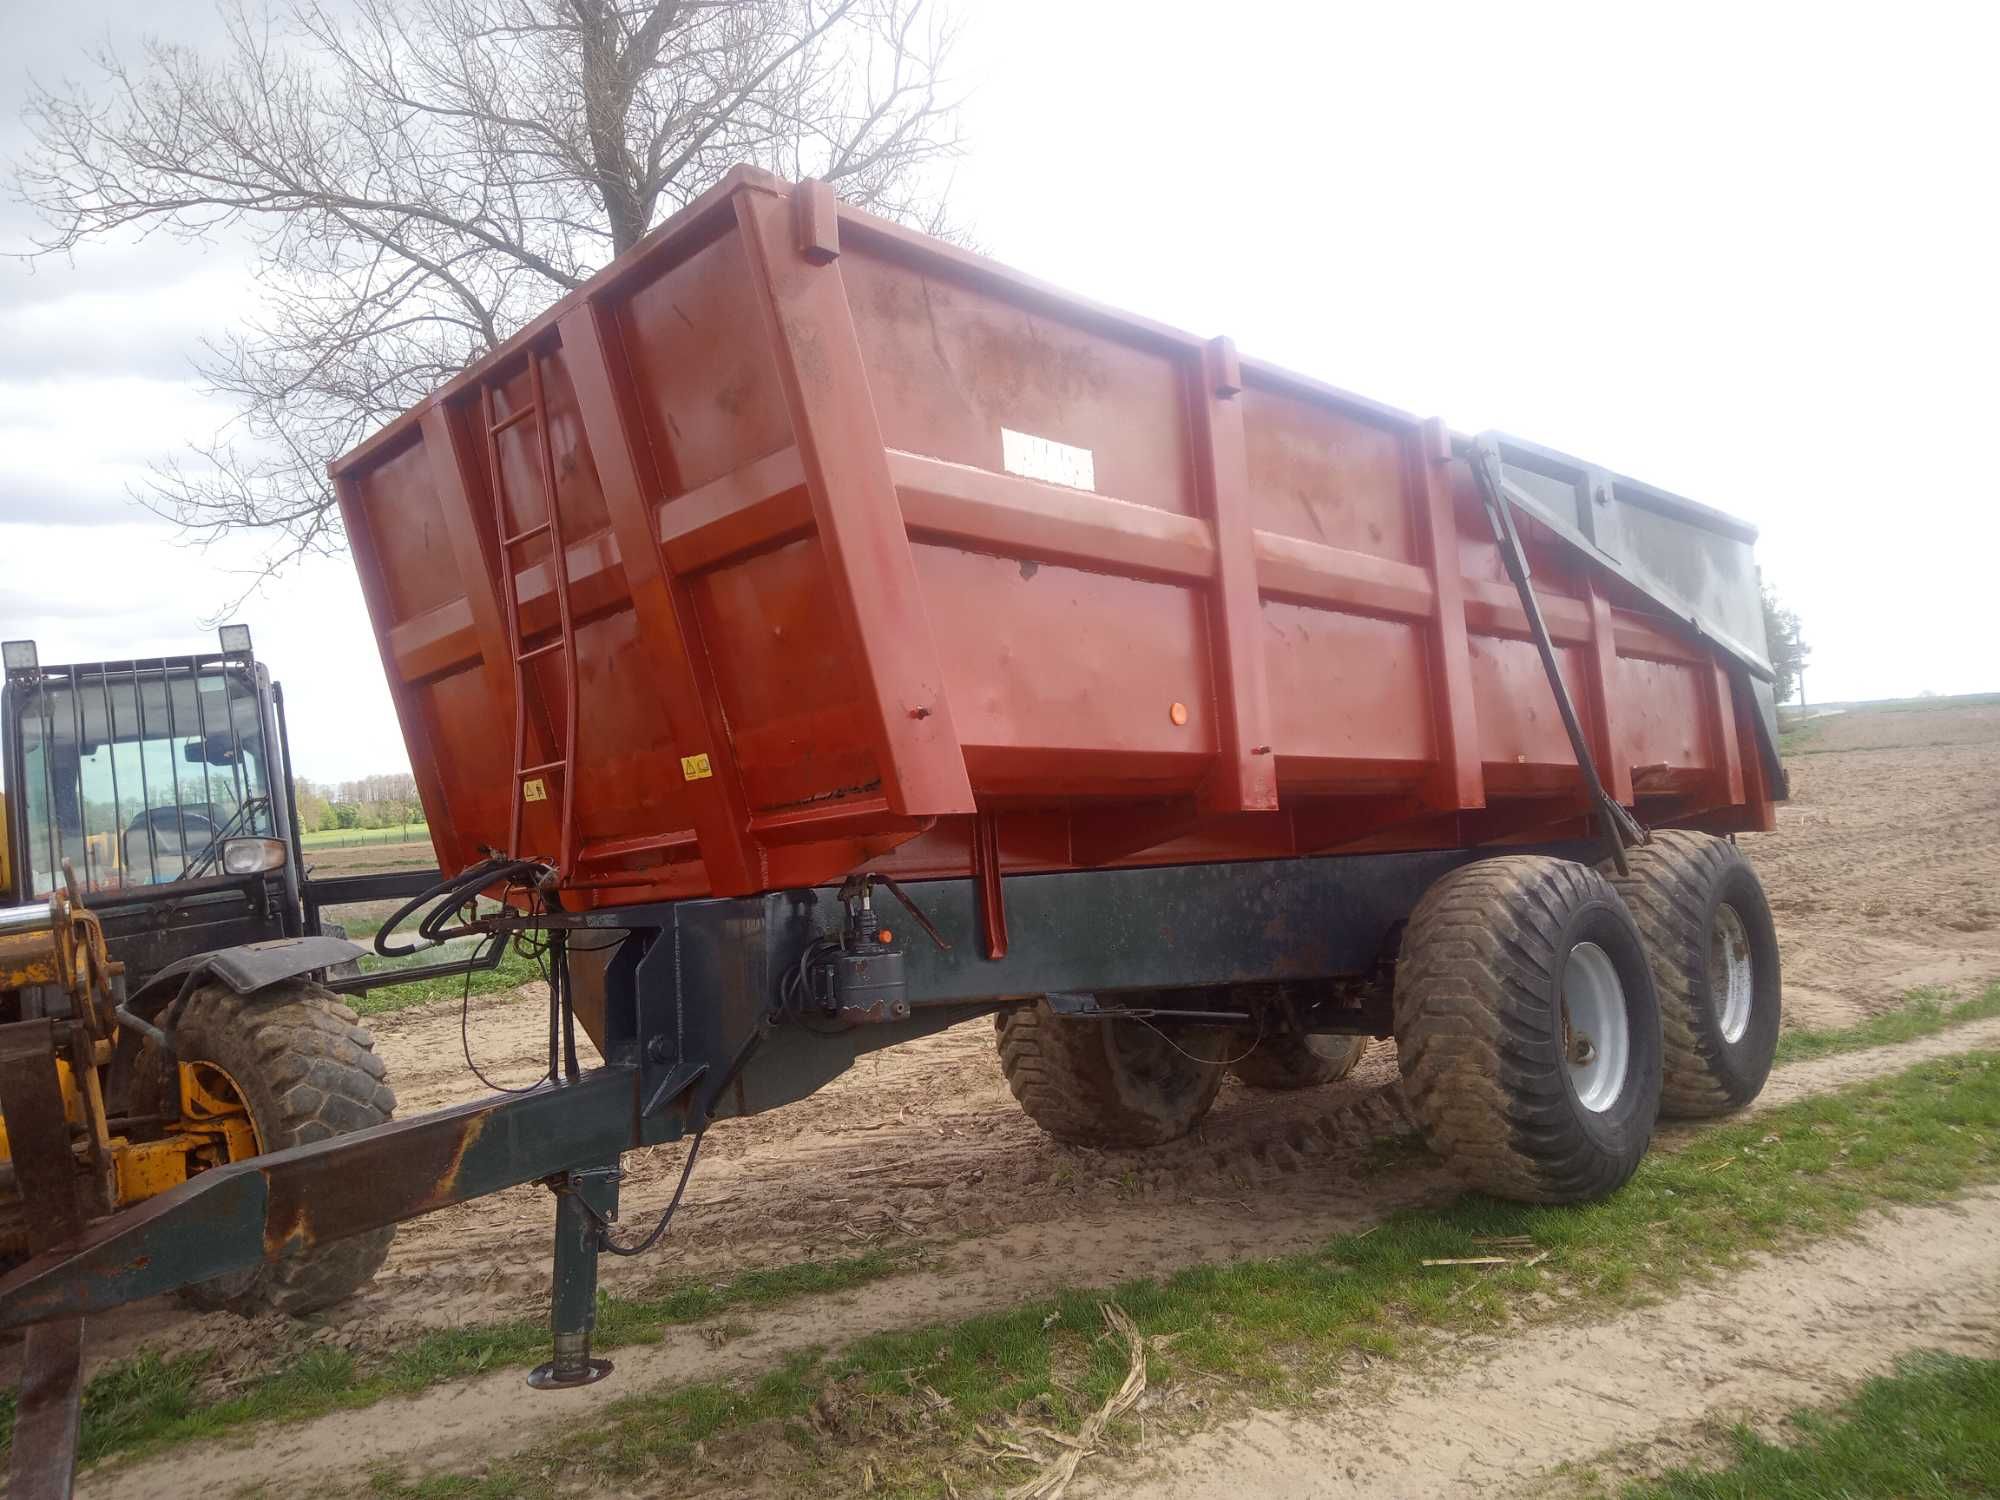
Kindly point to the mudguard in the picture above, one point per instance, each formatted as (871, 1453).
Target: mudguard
(245, 969)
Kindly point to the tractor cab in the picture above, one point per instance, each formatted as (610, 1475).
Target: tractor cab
(163, 783)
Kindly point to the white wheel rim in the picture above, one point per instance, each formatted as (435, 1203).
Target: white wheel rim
(1597, 1037)
(1730, 972)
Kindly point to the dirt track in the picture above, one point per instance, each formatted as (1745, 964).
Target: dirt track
(1882, 873)
(1801, 1331)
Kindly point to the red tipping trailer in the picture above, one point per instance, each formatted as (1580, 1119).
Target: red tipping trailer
(1204, 717)
(875, 553)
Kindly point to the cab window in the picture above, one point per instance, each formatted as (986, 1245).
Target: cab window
(136, 776)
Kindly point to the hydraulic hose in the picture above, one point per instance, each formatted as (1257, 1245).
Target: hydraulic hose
(450, 895)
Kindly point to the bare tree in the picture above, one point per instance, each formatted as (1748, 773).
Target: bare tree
(385, 798)
(417, 178)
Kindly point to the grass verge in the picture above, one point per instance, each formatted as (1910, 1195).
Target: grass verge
(1932, 1429)
(514, 970)
(914, 1413)
(153, 1402)
(345, 838)
(1923, 1013)
(363, 923)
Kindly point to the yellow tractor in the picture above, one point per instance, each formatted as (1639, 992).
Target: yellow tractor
(165, 999)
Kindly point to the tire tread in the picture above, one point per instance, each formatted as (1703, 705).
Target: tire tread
(1665, 894)
(1059, 1072)
(1483, 1074)
(309, 1051)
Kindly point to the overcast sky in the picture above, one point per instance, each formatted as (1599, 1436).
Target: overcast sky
(1745, 252)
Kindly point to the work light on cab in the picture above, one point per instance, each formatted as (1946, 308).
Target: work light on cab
(252, 856)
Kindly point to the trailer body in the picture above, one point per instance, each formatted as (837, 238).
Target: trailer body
(1186, 702)
(874, 553)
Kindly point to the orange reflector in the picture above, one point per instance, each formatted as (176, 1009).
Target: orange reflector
(1178, 713)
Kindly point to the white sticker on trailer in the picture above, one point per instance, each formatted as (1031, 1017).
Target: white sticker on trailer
(1046, 459)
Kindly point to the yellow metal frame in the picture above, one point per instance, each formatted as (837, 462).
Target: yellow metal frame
(214, 1124)
(215, 1127)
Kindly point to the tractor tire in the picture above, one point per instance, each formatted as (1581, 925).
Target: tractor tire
(307, 1071)
(1297, 1062)
(1109, 1083)
(1714, 952)
(1528, 1030)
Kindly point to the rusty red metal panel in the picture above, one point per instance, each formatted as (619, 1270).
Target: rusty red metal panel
(816, 215)
(456, 462)
(1458, 780)
(421, 735)
(631, 480)
(1246, 771)
(992, 897)
(879, 527)
(876, 594)
(1728, 753)
(1614, 766)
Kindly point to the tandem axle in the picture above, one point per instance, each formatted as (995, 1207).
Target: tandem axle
(699, 1012)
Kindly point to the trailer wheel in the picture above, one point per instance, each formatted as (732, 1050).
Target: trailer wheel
(1297, 1062)
(1714, 952)
(306, 1070)
(1109, 1083)
(1528, 1029)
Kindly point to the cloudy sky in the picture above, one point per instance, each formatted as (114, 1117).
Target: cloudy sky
(1745, 252)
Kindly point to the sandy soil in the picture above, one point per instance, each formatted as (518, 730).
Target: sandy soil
(1884, 874)
(1800, 1331)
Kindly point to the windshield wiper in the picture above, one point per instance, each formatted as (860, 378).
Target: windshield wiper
(211, 851)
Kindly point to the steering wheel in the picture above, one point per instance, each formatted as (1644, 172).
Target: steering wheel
(177, 835)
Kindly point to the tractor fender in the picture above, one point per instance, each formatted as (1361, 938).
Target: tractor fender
(246, 969)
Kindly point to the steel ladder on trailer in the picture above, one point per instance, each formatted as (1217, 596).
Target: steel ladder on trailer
(555, 752)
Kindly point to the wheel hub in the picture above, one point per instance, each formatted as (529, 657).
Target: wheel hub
(1731, 973)
(1597, 1037)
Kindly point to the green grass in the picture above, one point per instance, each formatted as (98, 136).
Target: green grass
(341, 838)
(1932, 1429)
(1799, 737)
(1932, 704)
(1280, 1330)
(152, 1402)
(1923, 1013)
(514, 969)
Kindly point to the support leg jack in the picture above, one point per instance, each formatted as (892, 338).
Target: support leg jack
(573, 1305)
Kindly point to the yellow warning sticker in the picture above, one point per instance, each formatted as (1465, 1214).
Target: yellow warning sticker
(695, 768)
(534, 791)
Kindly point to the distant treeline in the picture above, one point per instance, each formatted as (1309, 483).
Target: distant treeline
(385, 801)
